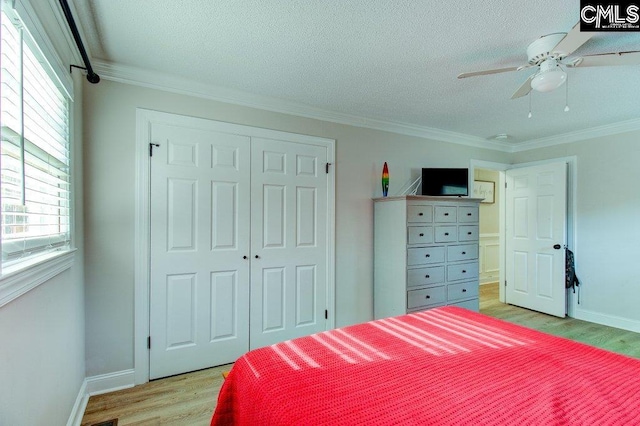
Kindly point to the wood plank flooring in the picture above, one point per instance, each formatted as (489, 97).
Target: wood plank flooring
(183, 400)
(613, 339)
(189, 399)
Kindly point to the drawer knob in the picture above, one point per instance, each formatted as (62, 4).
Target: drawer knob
(427, 255)
(420, 214)
(427, 276)
(464, 271)
(464, 252)
(427, 297)
(446, 233)
(421, 234)
(468, 214)
(469, 233)
(464, 290)
(446, 214)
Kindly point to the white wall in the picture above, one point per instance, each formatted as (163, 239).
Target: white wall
(42, 347)
(607, 225)
(110, 191)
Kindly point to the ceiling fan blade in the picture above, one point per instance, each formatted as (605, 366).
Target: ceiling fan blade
(524, 89)
(573, 40)
(495, 71)
(607, 59)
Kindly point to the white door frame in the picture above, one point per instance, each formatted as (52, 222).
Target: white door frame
(572, 174)
(142, 237)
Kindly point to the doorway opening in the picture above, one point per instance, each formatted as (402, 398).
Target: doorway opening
(498, 172)
(488, 183)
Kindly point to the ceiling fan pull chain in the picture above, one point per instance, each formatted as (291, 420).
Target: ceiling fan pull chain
(529, 116)
(566, 96)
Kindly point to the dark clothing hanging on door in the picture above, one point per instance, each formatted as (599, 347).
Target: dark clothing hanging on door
(571, 279)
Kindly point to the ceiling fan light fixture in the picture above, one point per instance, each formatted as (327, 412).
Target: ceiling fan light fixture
(550, 77)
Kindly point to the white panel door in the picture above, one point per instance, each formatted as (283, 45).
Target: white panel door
(536, 236)
(199, 271)
(289, 244)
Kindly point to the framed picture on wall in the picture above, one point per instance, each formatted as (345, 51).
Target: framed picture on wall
(484, 189)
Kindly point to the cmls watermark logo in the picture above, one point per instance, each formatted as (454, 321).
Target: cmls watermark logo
(618, 16)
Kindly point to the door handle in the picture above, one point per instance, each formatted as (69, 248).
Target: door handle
(557, 246)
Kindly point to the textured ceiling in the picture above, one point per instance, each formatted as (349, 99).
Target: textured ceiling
(395, 61)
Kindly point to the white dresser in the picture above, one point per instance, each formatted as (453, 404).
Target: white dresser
(425, 253)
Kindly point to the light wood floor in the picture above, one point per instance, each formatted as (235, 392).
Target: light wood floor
(613, 339)
(184, 400)
(189, 399)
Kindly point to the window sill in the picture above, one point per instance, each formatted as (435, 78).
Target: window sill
(15, 284)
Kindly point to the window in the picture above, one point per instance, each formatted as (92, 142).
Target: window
(34, 162)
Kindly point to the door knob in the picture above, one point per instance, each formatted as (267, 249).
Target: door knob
(557, 246)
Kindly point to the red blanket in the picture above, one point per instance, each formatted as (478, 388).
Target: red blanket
(445, 366)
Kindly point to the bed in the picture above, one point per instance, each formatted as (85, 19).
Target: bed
(445, 366)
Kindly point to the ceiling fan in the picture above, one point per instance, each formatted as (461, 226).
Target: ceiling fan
(549, 53)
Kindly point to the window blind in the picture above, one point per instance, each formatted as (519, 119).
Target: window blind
(34, 161)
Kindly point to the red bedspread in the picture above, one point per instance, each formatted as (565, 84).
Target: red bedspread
(446, 366)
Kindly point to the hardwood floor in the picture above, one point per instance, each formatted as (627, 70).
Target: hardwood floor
(189, 399)
(184, 400)
(613, 339)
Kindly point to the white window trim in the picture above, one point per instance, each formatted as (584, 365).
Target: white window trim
(19, 279)
(15, 284)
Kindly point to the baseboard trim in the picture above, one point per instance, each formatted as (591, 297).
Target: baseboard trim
(608, 320)
(110, 382)
(75, 419)
(98, 385)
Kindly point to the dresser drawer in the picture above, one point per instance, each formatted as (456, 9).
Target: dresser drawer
(425, 276)
(468, 233)
(462, 291)
(426, 297)
(462, 271)
(446, 234)
(444, 214)
(468, 214)
(421, 214)
(419, 234)
(462, 252)
(425, 255)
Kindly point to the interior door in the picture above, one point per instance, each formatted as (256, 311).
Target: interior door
(199, 273)
(288, 240)
(536, 229)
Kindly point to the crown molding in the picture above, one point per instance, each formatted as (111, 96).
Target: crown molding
(160, 81)
(152, 79)
(580, 135)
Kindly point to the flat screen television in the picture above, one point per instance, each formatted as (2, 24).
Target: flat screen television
(445, 181)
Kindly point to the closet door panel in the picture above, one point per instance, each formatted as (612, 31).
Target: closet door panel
(199, 275)
(289, 233)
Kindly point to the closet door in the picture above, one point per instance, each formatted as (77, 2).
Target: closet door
(289, 244)
(199, 270)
